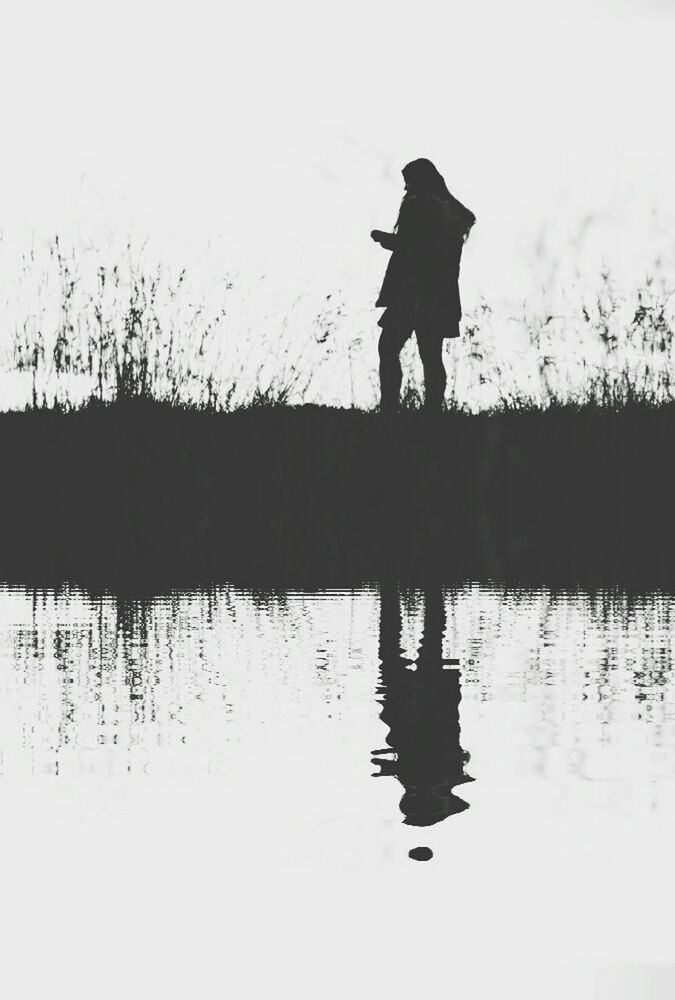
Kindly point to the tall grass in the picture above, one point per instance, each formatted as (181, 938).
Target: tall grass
(101, 331)
(92, 331)
(606, 347)
(118, 333)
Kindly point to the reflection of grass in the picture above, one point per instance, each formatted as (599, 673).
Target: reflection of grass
(150, 493)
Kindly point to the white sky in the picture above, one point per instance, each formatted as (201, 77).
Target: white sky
(277, 131)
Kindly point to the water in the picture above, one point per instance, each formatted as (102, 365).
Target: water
(216, 775)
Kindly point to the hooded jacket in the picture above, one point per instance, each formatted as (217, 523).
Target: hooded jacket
(426, 252)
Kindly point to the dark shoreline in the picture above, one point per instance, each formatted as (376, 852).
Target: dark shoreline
(139, 494)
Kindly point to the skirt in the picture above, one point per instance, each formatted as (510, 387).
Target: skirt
(423, 315)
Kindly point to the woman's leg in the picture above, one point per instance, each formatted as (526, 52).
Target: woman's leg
(394, 334)
(430, 345)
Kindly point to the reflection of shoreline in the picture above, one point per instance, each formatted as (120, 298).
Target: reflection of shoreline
(420, 705)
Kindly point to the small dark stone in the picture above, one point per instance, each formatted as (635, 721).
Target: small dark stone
(421, 854)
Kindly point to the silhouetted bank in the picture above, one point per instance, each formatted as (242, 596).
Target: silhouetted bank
(141, 492)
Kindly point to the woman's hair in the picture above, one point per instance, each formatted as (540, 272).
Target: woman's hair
(424, 180)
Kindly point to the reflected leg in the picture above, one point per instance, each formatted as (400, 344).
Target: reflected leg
(392, 662)
(391, 627)
(431, 647)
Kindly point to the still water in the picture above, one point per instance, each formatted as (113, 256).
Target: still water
(221, 765)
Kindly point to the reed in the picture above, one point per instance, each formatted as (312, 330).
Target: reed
(136, 329)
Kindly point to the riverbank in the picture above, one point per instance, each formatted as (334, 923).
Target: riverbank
(140, 493)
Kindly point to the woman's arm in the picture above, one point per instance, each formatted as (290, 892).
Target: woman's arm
(386, 240)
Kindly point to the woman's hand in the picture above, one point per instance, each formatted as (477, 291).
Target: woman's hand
(386, 240)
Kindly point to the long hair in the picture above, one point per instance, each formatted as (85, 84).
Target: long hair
(425, 181)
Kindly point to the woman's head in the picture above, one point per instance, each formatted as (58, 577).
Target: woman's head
(422, 177)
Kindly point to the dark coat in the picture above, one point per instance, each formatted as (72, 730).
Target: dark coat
(423, 272)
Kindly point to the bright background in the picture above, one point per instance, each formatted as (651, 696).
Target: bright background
(249, 139)
(280, 129)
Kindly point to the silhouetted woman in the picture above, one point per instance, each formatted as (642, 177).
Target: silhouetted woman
(420, 291)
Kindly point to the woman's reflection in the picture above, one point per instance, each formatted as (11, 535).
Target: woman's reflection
(420, 704)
